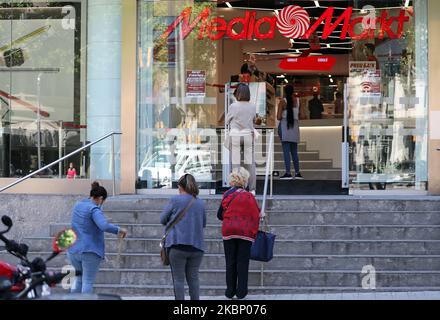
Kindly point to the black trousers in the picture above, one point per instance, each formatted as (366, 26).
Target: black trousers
(237, 254)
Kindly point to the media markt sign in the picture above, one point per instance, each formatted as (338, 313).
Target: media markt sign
(293, 22)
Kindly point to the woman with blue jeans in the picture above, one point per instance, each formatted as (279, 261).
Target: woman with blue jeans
(89, 224)
(184, 243)
(288, 115)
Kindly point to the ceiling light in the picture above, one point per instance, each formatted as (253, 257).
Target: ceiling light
(228, 4)
(285, 80)
(297, 51)
(281, 77)
(317, 4)
(277, 13)
(328, 45)
(292, 41)
(329, 75)
(406, 3)
(331, 80)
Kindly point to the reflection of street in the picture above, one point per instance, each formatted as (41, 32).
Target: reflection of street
(171, 160)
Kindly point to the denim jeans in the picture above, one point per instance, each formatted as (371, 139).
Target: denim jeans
(291, 148)
(185, 264)
(88, 263)
(237, 255)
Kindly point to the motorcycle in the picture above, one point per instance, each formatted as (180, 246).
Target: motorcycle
(31, 279)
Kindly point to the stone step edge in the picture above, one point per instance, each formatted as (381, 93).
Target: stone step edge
(287, 225)
(357, 272)
(277, 240)
(415, 288)
(155, 211)
(275, 255)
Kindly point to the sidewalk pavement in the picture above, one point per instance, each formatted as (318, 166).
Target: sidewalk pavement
(425, 295)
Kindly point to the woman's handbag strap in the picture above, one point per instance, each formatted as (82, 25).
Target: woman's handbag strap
(179, 217)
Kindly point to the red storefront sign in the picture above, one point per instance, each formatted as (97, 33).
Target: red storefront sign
(321, 63)
(292, 22)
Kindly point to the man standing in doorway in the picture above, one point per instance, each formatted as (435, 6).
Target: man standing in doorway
(316, 107)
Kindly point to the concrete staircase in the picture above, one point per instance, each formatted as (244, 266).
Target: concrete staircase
(322, 245)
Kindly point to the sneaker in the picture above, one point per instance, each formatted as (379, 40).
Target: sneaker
(298, 176)
(287, 176)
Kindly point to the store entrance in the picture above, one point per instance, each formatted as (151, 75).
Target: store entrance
(358, 69)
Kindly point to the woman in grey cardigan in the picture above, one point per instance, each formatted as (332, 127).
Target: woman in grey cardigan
(288, 115)
(184, 243)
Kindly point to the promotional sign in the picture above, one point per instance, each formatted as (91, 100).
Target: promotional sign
(293, 22)
(365, 79)
(196, 84)
(370, 84)
(357, 67)
(311, 63)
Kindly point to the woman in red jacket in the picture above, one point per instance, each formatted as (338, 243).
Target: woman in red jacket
(240, 214)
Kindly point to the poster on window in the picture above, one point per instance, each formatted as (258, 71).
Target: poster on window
(365, 79)
(196, 84)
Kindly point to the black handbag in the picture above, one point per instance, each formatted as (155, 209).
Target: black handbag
(163, 251)
(262, 247)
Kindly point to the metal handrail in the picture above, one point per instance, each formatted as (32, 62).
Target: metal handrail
(111, 134)
(269, 170)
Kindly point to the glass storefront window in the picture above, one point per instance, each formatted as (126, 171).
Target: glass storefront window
(177, 99)
(388, 104)
(42, 86)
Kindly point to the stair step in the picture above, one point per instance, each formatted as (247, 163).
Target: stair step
(374, 232)
(293, 247)
(279, 262)
(218, 291)
(276, 278)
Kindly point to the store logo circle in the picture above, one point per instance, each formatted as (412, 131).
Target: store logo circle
(293, 22)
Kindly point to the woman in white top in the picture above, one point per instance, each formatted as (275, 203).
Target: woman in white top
(241, 120)
(288, 115)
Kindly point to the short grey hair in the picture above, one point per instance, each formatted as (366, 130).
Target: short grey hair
(242, 93)
(239, 177)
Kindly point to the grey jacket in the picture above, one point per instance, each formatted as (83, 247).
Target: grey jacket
(189, 230)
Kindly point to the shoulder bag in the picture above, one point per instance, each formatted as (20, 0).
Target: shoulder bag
(262, 247)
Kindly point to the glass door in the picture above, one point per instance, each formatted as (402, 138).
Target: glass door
(387, 99)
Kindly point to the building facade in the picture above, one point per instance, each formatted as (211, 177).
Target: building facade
(162, 73)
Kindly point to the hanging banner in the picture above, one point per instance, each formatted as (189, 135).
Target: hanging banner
(311, 63)
(196, 84)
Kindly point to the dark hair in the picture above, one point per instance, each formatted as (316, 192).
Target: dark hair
(188, 183)
(98, 191)
(242, 92)
(288, 90)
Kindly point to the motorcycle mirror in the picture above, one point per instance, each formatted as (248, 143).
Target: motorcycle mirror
(64, 240)
(7, 221)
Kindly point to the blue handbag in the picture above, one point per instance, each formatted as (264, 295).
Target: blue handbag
(262, 248)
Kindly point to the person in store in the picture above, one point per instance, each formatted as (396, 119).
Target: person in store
(241, 118)
(339, 104)
(288, 115)
(316, 107)
(369, 51)
(240, 215)
(71, 172)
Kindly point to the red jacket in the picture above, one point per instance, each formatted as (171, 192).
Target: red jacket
(241, 215)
